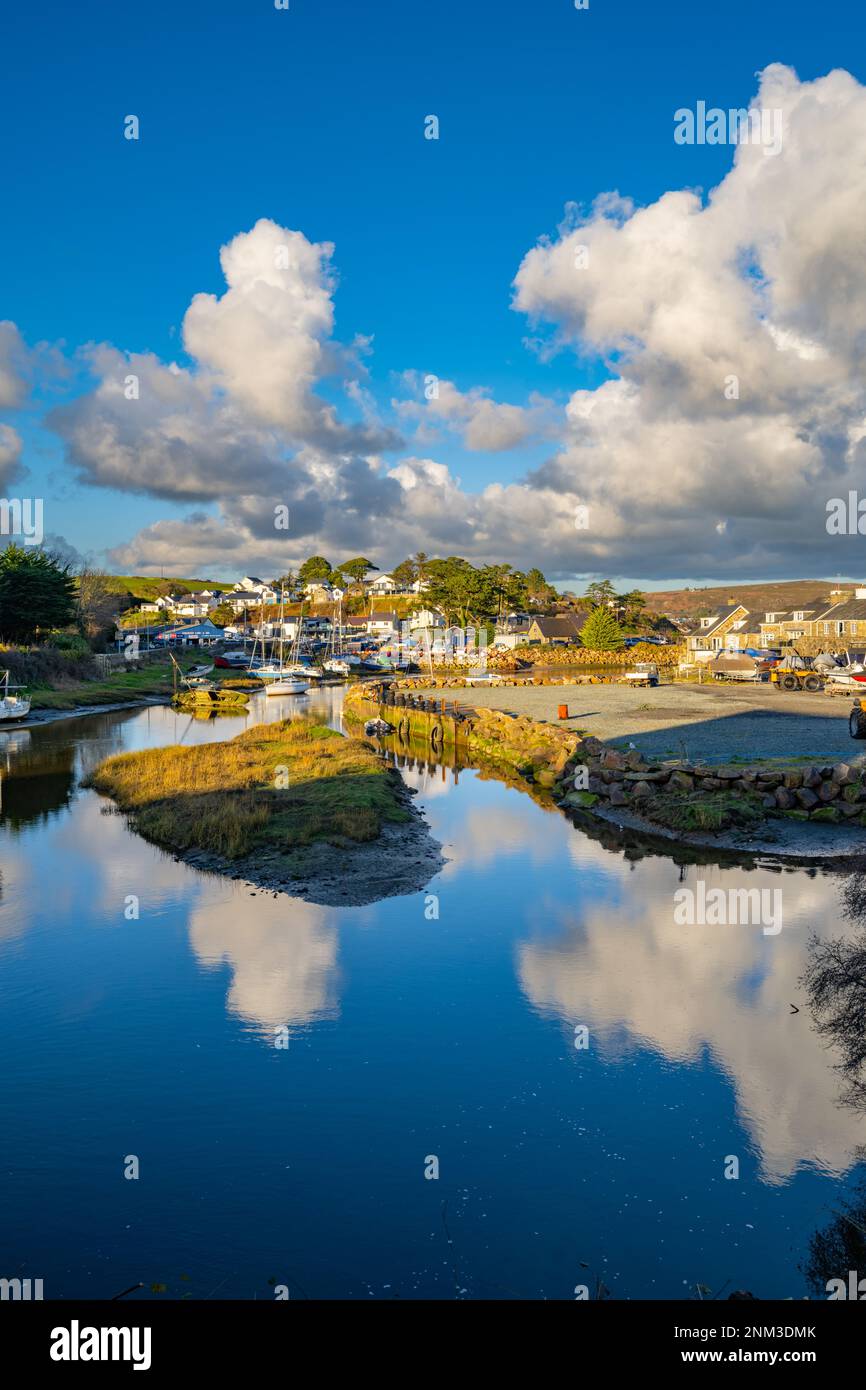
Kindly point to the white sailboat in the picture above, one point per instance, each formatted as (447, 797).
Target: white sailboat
(301, 669)
(338, 662)
(12, 706)
(282, 680)
(261, 666)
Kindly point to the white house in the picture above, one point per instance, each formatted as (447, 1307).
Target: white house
(289, 629)
(254, 590)
(382, 624)
(383, 584)
(425, 618)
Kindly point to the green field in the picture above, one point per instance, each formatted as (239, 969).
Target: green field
(146, 588)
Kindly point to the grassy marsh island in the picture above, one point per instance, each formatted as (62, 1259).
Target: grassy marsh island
(292, 806)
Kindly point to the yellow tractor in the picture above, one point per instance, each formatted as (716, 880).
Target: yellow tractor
(796, 680)
(795, 672)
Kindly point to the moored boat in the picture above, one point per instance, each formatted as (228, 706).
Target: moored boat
(286, 687)
(377, 728)
(12, 707)
(302, 671)
(219, 700)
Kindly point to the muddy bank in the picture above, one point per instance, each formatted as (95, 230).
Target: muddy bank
(51, 716)
(402, 860)
(795, 843)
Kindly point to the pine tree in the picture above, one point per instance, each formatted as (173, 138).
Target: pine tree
(601, 632)
(37, 593)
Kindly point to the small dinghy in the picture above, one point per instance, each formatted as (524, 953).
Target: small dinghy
(377, 728)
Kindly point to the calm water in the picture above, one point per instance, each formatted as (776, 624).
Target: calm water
(409, 1037)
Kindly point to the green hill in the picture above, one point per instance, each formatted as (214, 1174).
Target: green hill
(146, 588)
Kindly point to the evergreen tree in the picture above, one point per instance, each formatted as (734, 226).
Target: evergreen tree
(601, 591)
(356, 570)
(317, 567)
(37, 593)
(601, 632)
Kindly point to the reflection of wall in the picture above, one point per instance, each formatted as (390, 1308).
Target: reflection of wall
(679, 990)
(282, 953)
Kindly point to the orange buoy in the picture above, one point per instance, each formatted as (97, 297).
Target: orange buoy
(562, 712)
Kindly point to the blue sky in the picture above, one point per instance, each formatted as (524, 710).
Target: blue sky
(313, 118)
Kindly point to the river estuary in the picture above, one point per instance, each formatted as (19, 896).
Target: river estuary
(411, 1037)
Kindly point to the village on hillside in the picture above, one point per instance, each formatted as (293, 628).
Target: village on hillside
(428, 596)
(420, 596)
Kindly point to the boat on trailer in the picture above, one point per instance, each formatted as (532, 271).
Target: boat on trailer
(642, 673)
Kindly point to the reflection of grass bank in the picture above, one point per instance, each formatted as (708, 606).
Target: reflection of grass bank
(276, 787)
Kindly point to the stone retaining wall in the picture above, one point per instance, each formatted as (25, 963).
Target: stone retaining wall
(551, 655)
(693, 795)
(582, 773)
(459, 681)
(540, 752)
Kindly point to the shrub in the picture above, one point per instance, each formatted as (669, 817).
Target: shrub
(41, 666)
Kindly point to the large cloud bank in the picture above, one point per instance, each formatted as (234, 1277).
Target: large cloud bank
(733, 330)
